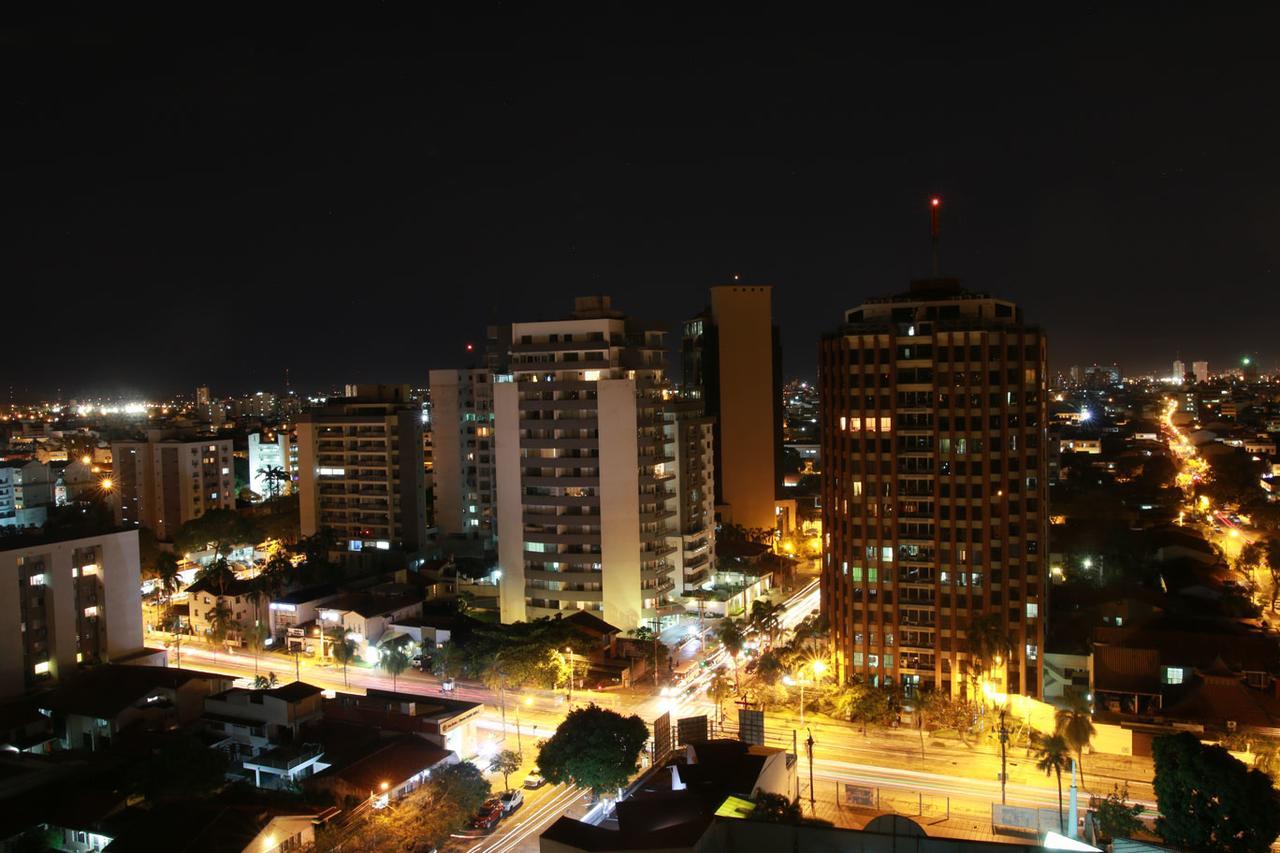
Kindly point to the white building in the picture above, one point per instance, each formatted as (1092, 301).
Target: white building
(72, 601)
(693, 536)
(584, 470)
(26, 493)
(268, 451)
(1201, 370)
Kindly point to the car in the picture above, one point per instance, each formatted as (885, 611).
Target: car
(446, 686)
(534, 781)
(511, 800)
(485, 821)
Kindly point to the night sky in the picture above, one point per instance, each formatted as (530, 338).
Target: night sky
(209, 201)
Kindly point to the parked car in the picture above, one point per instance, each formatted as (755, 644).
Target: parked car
(511, 800)
(534, 781)
(488, 816)
(447, 686)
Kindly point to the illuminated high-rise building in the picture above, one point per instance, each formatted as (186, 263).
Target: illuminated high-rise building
(583, 462)
(934, 485)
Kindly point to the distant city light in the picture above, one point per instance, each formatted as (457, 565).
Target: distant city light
(1085, 414)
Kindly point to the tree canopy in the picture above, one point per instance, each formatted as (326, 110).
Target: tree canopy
(1209, 801)
(594, 748)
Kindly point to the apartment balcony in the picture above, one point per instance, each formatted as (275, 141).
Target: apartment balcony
(564, 594)
(569, 558)
(560, 500)
(559, 462)
(574, 519)
(669, 609)
(565, 577)
(562, 538)
(560, 482)
(650, 554)
(559, 423)
(653, 517)
(560, 443)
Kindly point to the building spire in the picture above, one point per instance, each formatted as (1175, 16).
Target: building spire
(935, 229)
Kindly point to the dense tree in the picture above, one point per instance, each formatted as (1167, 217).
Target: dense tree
(1209, 801)
(1272, 552)
(987, 642)
(182, 769)
(731, 636)
(766, 617)
(505, 762)
(421, 822)
(221, 624)
(719, 689)
(255, 637)
(1053, 755)
(1116, 816)
(594, 748)
(1236, 478)
(775, 808)
(223, 530)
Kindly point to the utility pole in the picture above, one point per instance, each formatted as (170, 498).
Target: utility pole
(569, 649)
(1004, 739)
(808, 745)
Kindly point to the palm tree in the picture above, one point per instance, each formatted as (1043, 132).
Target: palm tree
(1075, 724)
(766, 617)
(344, 650)
(1053, 755)
(494, 677)
(220, 625)
(273, 475)
(394, 661)
(719, 689)
(988, 642)
(730, 634)
(167, 573)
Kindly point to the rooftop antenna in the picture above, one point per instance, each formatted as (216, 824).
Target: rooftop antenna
(935, 230)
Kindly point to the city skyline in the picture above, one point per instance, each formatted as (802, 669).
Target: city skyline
(283, 195)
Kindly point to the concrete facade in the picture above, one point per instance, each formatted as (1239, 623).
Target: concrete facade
(69, 602)
(169, 479)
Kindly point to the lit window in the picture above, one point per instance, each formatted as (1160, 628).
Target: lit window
(1173, 675)
(226, 471)
(42, 668)
(857, 488)
(37, 580)
(1032, 651)
(884, 424)
(844, 423)
(1033, 610)
(91, 612)
(213, 447)
(886, 554)
(91, 569)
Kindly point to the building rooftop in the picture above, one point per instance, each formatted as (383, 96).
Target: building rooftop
(104, 691)
(394, 762)
(306, 594)
(373, 604)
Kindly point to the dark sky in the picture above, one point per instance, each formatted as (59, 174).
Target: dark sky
(213, 200)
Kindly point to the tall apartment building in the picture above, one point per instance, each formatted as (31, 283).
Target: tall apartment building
(1179, 370)
(462, 439)
(27, 491)
(71, 601)
(693, 537)
(361, 472)
(270, 450)
(934, 487)
(733, 361)
(583, 470)
(1200, 369)
(171, 478)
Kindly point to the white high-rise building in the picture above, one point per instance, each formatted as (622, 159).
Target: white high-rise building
(1179, 370)
(268, 451)
(1200, 369)
(584, 465)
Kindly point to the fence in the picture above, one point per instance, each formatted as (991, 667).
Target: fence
(929, 808)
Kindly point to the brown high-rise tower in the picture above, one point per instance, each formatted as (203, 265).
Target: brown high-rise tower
(934, 489)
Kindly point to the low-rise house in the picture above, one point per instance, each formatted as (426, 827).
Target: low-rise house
(239, 597)
(448, 723)
(103, 702)
(295, 609)
(259, 729)
(367, 616)
(199, 827)
(396, 768)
